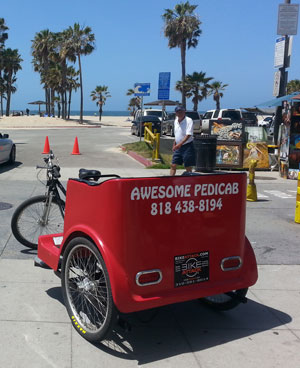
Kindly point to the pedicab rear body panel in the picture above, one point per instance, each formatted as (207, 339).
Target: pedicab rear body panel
(185, 228)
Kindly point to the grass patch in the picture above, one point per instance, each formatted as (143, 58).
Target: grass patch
(145, 150)
(142, 148)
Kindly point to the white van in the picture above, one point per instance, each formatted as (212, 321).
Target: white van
(222, 114)
(149, 112)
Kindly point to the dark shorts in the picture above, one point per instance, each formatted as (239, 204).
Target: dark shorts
(184, 155)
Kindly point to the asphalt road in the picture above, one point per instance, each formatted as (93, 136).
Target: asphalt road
(270, 221)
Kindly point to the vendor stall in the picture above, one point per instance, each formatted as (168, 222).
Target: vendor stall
(230, 137)
(290, 140)
(238, 144)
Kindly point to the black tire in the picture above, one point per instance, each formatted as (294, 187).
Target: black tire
(226, 301)
(26, 222)
(12, 155)
(86, 290)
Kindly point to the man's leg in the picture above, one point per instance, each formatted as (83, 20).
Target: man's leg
(189, 169)
(173, 169)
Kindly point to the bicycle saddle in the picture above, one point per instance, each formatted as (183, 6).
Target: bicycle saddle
(85, 174)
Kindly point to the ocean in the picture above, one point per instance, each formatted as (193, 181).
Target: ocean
(90, 113)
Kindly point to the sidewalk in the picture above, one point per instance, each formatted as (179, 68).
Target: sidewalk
(265, 332)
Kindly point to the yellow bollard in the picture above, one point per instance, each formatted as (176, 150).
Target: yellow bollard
(297, 211)
(251, 188)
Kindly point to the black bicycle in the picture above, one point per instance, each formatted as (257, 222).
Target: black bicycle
(44, 214)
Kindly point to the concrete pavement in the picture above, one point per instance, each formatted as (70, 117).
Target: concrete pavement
(265, 332)
(36, 331)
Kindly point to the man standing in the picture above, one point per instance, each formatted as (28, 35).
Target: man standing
(183, 148)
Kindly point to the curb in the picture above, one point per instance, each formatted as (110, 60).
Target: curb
(49, 127)
(144, 161)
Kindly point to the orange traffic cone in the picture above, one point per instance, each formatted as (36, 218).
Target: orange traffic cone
(46, 147)
(76, 148)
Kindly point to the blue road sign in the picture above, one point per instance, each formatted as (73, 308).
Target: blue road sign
(163, 94)
(142, 89)
(164, 86)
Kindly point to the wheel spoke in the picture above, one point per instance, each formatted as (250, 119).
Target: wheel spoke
(87, 288)
(29, 222)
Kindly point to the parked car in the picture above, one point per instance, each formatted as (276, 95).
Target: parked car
(220, 114)
(249, 118)
(168, 124)
(150, 112)
(139, 123)
(7, 149)
(266, 122)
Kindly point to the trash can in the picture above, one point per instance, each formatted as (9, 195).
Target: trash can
(205, 149)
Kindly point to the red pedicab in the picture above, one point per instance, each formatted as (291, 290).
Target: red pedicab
(131, 244)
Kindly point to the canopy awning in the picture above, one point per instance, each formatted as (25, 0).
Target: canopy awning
(162, 103)
(278, 101)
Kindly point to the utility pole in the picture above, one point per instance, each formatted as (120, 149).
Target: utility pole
(283, 73)
(282, 85)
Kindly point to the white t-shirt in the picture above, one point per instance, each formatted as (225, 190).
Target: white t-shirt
(182, 129)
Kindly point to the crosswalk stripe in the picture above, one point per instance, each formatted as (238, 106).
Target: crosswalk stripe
(260, 195)
(279, 194)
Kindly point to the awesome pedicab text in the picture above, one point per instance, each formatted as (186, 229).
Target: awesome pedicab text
(191, 198)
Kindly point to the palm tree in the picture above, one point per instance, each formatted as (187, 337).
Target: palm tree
(215, 89)
(83, 43)
(65, 52)
(3, 38)
(42, 48)
(198, 87)
(293, 86)
(3, 33)
(12, 63)
(182, 28)
(134, 102)
(72, 84)
(100, 94)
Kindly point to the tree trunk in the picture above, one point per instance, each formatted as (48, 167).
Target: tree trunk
(8, 93)
(52, 102)
(81, 90)
(69, 109)
(183, 52)
(58, 110)
(63, 114)
(66, 104)
(47, 101)
(1, 104)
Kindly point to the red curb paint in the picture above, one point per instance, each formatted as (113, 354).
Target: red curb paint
(140, 159)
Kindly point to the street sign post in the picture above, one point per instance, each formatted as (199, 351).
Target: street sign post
(141, 90)
(164, 86)
(276, 83)
(287, 19)
(279, 52)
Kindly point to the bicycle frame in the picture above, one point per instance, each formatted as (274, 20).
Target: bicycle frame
(53, 184)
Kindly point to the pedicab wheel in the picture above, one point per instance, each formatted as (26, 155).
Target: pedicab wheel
(87, 291)
(226, 301)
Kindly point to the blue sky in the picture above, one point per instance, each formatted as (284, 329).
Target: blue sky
(236, 47)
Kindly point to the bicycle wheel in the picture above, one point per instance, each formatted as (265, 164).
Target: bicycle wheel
(87, 291)
(27, 224)
(226, 301)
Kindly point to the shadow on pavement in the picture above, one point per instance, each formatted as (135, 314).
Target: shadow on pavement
(181, 328)
(7, 167)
